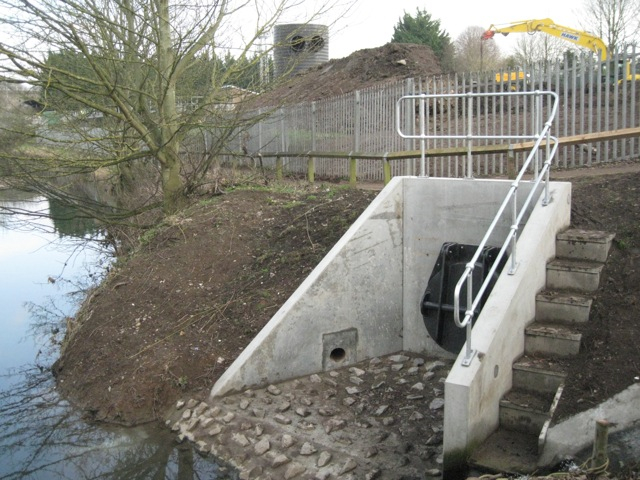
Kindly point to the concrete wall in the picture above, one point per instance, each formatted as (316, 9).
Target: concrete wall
(473, 393)
(348, 309)
(362, 300)
(438, 211)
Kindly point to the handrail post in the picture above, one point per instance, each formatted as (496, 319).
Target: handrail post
(514, 230)
(468, 317)
(423, 145)
(469, 140)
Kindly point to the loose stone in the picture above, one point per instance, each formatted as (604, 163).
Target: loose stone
(306, 401)
(180, 404)
(413, 370)
(418, 362)
(377, 385)
(415, 397)
(334, 424)
(280, 460)
(244, 404)
(325, 412)
(283, 407)
(348, 401)
(206, 421)
(436, 404)
(373, 475)
(287, 441)
(358, 372)
(303, 412)
(273, 390)
(356, 380)
(428, 376)
(375, 361)
(416, 416)
(398, 358)
(258, 413)
(331, 382)
(192, 423)
(386, 421)
(381, 409)
(214, 412)
(200, 409)
(433, 472)
(334, 373)
(348, 466)
(241, 440)
(323, 459)
(259, 429)
(352, 390)
(215, 431)
(330, 393)
(192, 403)
(282, 420)
(186, 415)
(228, 418)
(434, 365)
(202, 446)
(307, 449)
(262, 447)
(418, 386)
(315, 378)
(371, 452)
(396, 367)
(293, 471)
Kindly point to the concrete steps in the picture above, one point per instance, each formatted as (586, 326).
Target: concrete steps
(527, 410)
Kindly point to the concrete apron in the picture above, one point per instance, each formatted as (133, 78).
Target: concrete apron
(380, 418)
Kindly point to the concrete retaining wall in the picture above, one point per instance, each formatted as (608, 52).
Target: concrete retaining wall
(362, 300)
(472, 393)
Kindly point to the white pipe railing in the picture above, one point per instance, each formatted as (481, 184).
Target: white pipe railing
(511, 200)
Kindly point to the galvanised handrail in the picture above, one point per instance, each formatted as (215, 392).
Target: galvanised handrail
(551, 146)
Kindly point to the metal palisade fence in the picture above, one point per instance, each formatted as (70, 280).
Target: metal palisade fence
(594, 96)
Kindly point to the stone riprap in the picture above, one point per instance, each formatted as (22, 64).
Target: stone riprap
(377, 419)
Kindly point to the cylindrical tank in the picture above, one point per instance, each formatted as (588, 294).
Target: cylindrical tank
(299, 46)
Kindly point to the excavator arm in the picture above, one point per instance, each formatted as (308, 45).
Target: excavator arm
(548, 26)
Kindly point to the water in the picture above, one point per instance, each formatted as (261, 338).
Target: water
(44, 268)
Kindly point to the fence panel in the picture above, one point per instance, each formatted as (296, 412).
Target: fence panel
(594, 97)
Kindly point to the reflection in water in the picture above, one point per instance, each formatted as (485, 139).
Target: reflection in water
(41, 435)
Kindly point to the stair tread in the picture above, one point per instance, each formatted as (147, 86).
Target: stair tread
(565, 297)
(573, 264)
(542, 364)
(551, 329)
(593, 236)
(506, 451)
(538, 402)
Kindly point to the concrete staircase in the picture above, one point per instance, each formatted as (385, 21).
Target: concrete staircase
(526, 411)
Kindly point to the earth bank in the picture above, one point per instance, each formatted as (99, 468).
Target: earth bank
(168, 320)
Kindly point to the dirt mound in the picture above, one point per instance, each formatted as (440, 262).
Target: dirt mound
(362, 69)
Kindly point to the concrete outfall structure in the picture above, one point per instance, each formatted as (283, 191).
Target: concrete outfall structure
(363, 300)
(322, 391)
(378, 419)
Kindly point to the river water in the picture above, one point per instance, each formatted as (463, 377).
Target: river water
(44, 268)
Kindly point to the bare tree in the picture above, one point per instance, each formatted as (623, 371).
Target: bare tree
(616, 22)
(539, 47)
(109, 72)
(472, 54)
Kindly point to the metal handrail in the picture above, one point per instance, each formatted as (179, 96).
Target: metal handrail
(551, 146)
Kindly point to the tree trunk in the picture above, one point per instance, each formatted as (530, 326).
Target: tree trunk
(172, 186)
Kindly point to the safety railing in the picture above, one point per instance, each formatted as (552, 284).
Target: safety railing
(541, 138)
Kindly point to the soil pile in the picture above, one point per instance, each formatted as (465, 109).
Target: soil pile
(362, 69)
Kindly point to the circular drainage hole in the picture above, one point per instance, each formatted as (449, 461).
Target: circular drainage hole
(338, 354)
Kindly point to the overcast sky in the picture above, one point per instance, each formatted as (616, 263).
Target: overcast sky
(370, 23)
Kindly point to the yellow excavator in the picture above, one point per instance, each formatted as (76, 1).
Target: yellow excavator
(577, 37)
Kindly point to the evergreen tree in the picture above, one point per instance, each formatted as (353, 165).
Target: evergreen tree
(424, 30)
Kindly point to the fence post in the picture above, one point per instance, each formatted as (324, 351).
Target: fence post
(278, 167)
(409, 124)
(353, 164)
(353, 170)
(311, 161)
(386, 168)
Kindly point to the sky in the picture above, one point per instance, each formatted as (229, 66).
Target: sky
(370, 22)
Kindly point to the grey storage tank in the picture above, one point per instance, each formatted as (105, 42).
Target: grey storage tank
(300, 46)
